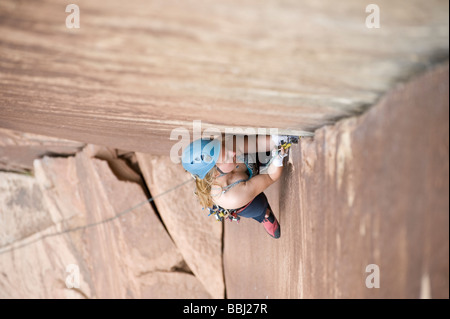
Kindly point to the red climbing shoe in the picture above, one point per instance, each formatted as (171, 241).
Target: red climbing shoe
(271, 225)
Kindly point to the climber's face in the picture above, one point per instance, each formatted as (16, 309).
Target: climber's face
(227, 160)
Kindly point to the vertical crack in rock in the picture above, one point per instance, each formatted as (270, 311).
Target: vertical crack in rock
(223, 262)
(198, 238)
(370, 190)
(84, 190)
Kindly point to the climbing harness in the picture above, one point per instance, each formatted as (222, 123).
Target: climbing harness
(221, 213)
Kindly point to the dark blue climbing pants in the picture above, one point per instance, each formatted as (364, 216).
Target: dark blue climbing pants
(256, 209)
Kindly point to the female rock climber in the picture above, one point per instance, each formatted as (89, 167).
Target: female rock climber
(230, 180)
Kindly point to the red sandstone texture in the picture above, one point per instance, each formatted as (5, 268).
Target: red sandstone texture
(369, 190)
(72, 212)
(134, 71)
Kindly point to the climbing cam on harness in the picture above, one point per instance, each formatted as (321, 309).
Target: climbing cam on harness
(221, 213)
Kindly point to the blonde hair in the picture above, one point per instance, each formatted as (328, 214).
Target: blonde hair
(203, 188)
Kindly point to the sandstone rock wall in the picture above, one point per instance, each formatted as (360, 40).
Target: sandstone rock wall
(369, 190)
(75, 211)
(18, 150)
(134, 71)
(198, 237)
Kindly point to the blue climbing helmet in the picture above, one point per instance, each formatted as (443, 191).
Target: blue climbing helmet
(201, 156)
